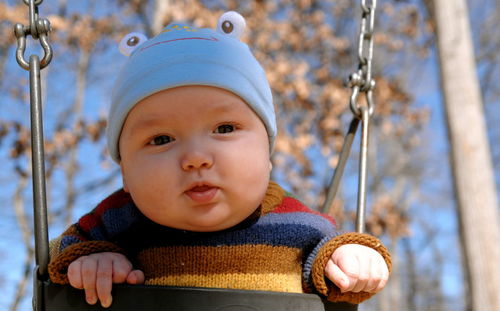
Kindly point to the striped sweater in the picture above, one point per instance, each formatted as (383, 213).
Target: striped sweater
(284, 247)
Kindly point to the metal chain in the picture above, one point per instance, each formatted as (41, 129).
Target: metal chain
(359, 81)
(38, 28)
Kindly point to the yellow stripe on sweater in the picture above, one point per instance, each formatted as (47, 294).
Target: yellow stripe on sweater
(277, 282)
(209, 260)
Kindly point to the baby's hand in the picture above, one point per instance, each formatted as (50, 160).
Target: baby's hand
(96, 274)
(356, 268)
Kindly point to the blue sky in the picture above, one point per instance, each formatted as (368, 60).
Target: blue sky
(427, 94)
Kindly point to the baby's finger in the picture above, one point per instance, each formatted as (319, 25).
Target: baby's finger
(375, 277)
(121, 269)
(135, 277)
(364, 270)
(75, 274)
(89, 269)
(350, 267)
(335, 274)
(104, 281)
(384, 278)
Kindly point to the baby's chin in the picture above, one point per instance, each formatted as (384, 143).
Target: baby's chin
(209, 218)
(210, 224)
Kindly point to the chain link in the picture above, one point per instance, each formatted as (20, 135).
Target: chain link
(38, 28)
(361, 80)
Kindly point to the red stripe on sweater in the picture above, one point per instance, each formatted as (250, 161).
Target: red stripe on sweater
(291, 205)
(94, 219)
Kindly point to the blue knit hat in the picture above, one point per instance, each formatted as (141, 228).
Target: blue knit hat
(182, 55)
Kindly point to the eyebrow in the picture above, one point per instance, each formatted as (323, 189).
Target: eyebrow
(224, 106)
(155, 120)
(145, 123)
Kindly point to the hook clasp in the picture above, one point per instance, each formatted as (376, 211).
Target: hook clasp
(39, 28)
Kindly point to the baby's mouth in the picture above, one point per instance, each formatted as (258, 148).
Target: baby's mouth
(202, 193)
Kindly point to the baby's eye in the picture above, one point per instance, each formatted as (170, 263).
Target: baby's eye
(161, 140)
(224, 128)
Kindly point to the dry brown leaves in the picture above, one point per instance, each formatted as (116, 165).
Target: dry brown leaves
(306, 52)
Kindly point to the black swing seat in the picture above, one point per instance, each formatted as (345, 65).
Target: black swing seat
(144, 298)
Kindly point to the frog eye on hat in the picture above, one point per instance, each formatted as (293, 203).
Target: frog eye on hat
(232, 24)
(131, 42)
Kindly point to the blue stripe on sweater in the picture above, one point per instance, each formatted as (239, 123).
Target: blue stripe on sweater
(114, 222)
(290, 235)
(294, 229)
(309, 262)
(68, 240)
(117, 220)
(298, 218)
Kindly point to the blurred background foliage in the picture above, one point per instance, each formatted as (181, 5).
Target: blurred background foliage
(308, 49)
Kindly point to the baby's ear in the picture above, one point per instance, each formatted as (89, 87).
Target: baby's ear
(131, 42)
(125, 187)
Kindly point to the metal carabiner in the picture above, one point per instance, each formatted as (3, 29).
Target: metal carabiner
(37, 2)
(21, 32)
(38, 28)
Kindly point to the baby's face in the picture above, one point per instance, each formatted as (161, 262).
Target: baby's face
(195, 158)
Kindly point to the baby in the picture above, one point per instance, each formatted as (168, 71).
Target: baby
(192, 126)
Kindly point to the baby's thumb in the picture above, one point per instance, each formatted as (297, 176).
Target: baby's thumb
(135, 277)
(337, 276)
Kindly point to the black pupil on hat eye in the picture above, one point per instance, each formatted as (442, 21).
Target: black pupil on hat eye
(133, 41)
(227, 26)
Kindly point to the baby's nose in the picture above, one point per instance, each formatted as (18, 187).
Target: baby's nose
(196, 159)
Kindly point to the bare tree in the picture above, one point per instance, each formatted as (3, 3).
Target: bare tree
(472, 169)
(307, 48)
